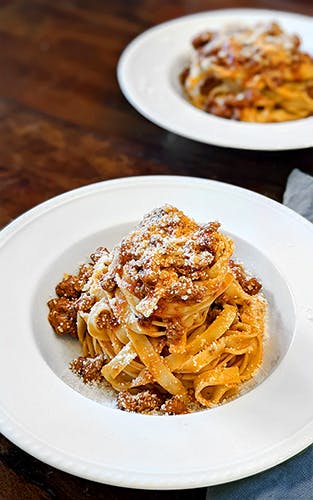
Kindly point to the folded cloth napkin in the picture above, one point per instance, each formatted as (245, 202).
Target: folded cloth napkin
(299, 193)
(293, 479)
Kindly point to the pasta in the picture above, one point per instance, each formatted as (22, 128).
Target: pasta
(252, 74)
(167, 318)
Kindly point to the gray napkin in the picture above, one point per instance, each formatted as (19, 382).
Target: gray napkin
(293, 479)
(299, 193)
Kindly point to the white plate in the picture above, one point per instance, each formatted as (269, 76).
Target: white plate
(148, 76)
(54, 422)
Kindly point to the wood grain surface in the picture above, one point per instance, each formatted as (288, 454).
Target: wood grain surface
(64, 123)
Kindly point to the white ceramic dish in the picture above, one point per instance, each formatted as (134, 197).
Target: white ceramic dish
(42, 414)
(148, 76)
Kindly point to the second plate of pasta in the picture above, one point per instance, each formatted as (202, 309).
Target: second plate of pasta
(239, 78)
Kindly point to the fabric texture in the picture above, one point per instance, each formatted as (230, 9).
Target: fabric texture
(299, 193)
(293, 479)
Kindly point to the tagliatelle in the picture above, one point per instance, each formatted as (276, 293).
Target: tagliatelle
(166, 318)
(253, 74)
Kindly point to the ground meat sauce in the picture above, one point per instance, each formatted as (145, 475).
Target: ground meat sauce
(84, 303)
(140, 402)
(202, 39)
(62, 316)
(148, 401)
(164, 258)
(94, 257)
(174, 406)
(63, 309)
(249, 285)
(177, 255)
(89, 369)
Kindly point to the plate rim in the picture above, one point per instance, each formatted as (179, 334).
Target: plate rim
(15, 432)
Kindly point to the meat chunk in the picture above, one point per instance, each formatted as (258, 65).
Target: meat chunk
(71, 286)
(62, 316)
(94, 257)
(63, 309)
(85, 303)
(249, 285)
(174, 406)
(202, 39)
(140, 402)
(89, 369)
(85, 271)
(209, 83)
(184, 75)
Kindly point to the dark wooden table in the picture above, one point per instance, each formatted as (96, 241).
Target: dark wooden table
(64, 124)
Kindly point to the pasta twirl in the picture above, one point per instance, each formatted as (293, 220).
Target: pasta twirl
(253, 74)
(167, 318)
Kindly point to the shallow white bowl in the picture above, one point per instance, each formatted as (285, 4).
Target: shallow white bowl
(148, 74)
(48, 417)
